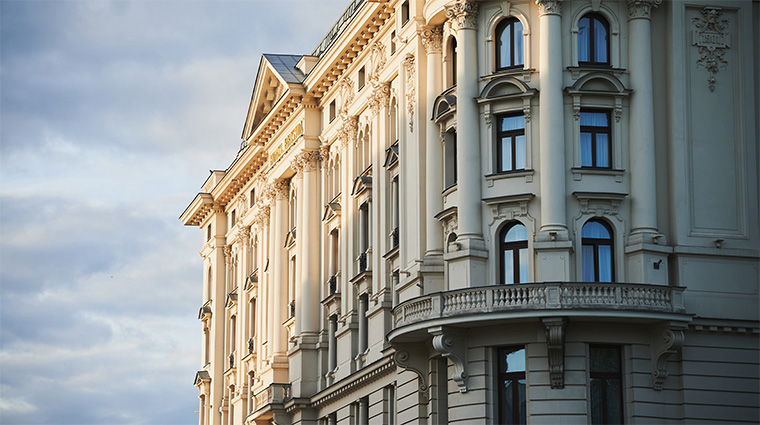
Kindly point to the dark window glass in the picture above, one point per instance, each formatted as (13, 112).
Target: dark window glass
(453, 57)
(514, 254)
(450, 160)
(404, 13)
(509, 44)
(606, 381)
(596, 254)
(511, 375)
(593, 40)
(595, 139)
(510, 147)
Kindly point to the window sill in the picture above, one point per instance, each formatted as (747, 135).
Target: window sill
(578, 173)
(528, 174)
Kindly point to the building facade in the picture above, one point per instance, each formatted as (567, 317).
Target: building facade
(483, 212)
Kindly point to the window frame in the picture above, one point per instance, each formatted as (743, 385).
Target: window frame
(595, 243)
(503, 25)
(594, 130)
(515, 247)
(593, 62)
(512, 134)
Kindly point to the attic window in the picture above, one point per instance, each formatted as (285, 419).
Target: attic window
(361, 78)
(404, 13)
(332, 110)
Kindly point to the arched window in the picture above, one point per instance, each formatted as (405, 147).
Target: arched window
(593, 40)
(596, 254)
(514, 254)
(452, 56)
(509, 44)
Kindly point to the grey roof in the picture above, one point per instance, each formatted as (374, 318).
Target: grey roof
(285, 65)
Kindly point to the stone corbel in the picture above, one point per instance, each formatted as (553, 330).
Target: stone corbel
(665, 343)
(453, 347)
(416, 362)
(555, 344)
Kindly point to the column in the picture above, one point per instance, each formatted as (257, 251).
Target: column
(280, 262)
(332, 349)
(309, 238)
(301, 241)
(363, 411)
(641, 126)
(432, 37)
(552, 130)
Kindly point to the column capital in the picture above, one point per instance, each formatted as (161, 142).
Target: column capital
(463, 14)
(641, 9)
(281, 188)
(432, 38)
(306, 161)
(549, 7)
(348, 130)
(381, 95)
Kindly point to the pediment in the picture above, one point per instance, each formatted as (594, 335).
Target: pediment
(277, 75)
(202, 377)
(599, 82)
(505, 87)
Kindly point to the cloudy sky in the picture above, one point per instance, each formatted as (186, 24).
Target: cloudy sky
(111, 115)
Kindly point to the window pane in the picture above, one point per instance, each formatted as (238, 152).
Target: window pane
(596, 230)
(604, 359)
(521, 398)
(605, 263)
(513, 123)
(516, 233)
(504, 46)
(523, 265)
(519, 152)
(586, 159)
(506, 154)
(518, 43)
(587, 258)
(602, 150)
(584, 40)
(508, 264)
(600, 42)
(597, 412)
(614, 397)
(515, 361)
(594, 119)
(506, 402)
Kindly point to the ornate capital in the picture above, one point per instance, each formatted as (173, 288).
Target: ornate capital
(555, 344)
(348, 130)
(228, 254)
(432, 38)
(381, 95)
(307, 160)
(641, 8)
(463, 14)
(281, 188)
(549, 7)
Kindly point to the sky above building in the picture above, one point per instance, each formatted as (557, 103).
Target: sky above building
(111, 115)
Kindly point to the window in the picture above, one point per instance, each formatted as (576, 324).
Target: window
(606, 381)
(332, 111)
(595, 139)
(252, 197)
(514, 254)
(509, 44)
(453, 59)
(233, 219)
(596, 254)
(208, 232)
(511, 375)
(593, 40)
(450, 160)
(393, 42)
(361, 77)
(510, 148)
(404, 13)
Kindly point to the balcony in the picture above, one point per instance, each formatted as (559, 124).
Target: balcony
(269, 402)
(493, 303)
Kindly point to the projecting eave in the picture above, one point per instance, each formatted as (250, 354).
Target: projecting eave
(198, 210)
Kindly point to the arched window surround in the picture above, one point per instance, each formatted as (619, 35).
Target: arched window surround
(506, 211)
(601, 207)
(614, 33)
(491, 45)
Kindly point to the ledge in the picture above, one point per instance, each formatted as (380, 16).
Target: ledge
(535, 300)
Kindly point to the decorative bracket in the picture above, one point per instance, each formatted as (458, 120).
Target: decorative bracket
(454, 348)
(415, 362)
(555, 344)
(663, 346)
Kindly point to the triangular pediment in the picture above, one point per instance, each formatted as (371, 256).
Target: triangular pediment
(277, 75)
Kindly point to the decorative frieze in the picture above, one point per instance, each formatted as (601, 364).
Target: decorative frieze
(710, 35)
(432, 38)
(463, 15)
(641, 9)
(549, 7)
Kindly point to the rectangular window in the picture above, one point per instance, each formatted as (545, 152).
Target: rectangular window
(595, 139)
(511, 376)
(252, 198)
(332, 111)
(393, 42)
(606, 382)
(208, 232)
(450, 160)
(233, 219)
(404, 13)
(510, 143)
(361, 77)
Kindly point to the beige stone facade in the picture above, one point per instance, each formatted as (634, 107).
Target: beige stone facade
(482, 212)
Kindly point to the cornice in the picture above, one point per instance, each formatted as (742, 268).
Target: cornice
(348, 385)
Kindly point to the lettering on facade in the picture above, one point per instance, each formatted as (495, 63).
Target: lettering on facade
(289, 141)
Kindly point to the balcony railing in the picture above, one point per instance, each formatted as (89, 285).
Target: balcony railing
(362, 262)
(540, 296)
(273, 394)
(333, 284)
(394, 238)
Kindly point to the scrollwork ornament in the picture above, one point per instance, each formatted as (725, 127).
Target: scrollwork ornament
(410, 93)
(432, 38)
(641, 9)
(712, 39)
(549, 7)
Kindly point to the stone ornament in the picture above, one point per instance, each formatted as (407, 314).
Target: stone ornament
(346, 90)
(281, 188)
(711, 37)
(549, 7)
(380, 97)
(555, 344)
(641, 8)
(432, 38)
(670, 342)
(463, 15)
(376, 60)
(410, 94)
(348, 130)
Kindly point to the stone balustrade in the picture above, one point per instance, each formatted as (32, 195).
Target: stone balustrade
(541, 296)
